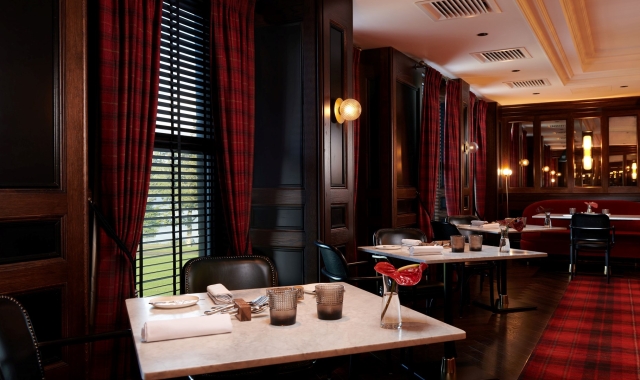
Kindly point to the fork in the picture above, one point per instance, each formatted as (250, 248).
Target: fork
(259, 301)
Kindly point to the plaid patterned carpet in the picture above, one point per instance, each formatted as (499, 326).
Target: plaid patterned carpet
(593, 334)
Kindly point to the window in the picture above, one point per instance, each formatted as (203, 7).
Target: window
(179, 218)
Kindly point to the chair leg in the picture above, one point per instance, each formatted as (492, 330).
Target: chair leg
(607, 269)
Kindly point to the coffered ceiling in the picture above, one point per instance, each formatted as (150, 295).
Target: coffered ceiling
(556, 50)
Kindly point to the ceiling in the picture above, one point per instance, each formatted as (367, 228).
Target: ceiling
(579, 49)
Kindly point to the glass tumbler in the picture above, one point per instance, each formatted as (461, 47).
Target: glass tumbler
(329, 298)
(283, 306)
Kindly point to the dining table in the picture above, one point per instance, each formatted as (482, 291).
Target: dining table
(568, 216)
(496, 230)
(257, 343)
(448, 258)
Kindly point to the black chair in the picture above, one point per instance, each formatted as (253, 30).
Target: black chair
(336, 267)
(428, 288)
(444, 231)
(461, 219)
(19, 348)
(591, 233)
(234, 272)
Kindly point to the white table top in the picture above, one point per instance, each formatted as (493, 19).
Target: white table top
(488, 253)
(528, 228)
(568, 216)
(257, 343)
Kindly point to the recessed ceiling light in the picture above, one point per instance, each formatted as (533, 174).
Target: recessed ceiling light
(482, 34)
(624, 86)
(536, 93)
(515, 71)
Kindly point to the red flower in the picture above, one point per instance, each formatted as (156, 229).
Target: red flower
(515, 223)
(408, 276)
(592, 204)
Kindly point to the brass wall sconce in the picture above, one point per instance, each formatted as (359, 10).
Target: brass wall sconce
(587, 143)
(524, 162)
(470, 147)
(346, 110)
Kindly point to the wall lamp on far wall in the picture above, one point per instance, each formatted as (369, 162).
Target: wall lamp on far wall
(346, 110)
(587, 143)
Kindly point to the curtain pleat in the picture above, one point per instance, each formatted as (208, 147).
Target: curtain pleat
(429, 148)
(129, 66)
(452, 148)
(233, 84)
(472, 157)
(481, 158)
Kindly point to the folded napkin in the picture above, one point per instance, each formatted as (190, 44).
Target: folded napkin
(219, 294)
(411, 242)
(491, 225)
(154, 331)
(426, 250)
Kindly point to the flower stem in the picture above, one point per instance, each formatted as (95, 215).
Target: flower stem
(392, 289)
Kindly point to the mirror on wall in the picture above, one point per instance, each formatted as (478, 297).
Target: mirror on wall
(553, 155)
(587, 149)
(623, 151)
(521, 153)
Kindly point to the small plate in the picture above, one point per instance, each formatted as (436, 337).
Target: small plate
(174, 302)
(388, 247)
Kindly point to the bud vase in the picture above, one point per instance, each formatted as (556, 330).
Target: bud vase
(547, 219)
(390, 317)
(504, 245)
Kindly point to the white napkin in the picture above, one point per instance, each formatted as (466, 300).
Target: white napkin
(411, 242)
(216, 291)
(154, 331)
(491, 225)
(426, 250)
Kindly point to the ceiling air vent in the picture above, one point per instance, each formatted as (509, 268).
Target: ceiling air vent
(529, 83)
(503, 55)
(452, 9)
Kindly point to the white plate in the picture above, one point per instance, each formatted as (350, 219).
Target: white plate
(389, 247)
(174, 302)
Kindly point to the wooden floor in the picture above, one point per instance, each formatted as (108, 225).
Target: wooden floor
(497, 346)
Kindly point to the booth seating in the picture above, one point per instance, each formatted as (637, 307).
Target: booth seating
(558, 242)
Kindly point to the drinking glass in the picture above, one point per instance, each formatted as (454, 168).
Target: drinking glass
(283, 305)
(457, 243)
(329, 299)
(475, 243)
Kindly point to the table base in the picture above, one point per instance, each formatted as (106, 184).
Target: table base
(502, 306)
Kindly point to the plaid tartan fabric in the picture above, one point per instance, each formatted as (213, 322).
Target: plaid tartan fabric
(129, 67)
(481, 157)
(472, 134)
(593, 334)
(429, 147)
(452, 148)
(233, 77)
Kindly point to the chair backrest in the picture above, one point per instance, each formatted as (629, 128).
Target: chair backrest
(394, 236)
(590, 227)
(443, 231)
(335, 264)
(19, 355)
(234, 272)
(460, 219)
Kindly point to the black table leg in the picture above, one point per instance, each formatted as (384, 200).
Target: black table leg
(449, 359)
(501, 305)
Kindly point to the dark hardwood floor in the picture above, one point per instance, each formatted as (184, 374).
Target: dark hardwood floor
(497, 345)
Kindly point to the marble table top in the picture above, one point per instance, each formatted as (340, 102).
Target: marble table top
(568, 216)
(488, 253)
(528, 228)
(257, 343)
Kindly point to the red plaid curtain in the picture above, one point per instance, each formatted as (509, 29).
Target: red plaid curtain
(355, 124)
(523, 169)
(129, 67)
(452, 148)
(429, 148)
(472, 134)
(233, 77)
(481, 157)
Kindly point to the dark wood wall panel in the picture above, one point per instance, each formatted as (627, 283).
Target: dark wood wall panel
(30, 98)
(407, 126)
(277, 217)
(29, 240)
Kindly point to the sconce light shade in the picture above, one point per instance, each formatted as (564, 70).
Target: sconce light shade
(524, 162)
(634, 171)
(506, 172)
(348, 109)
(545, 169)
(470, 147)
(587, 162)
